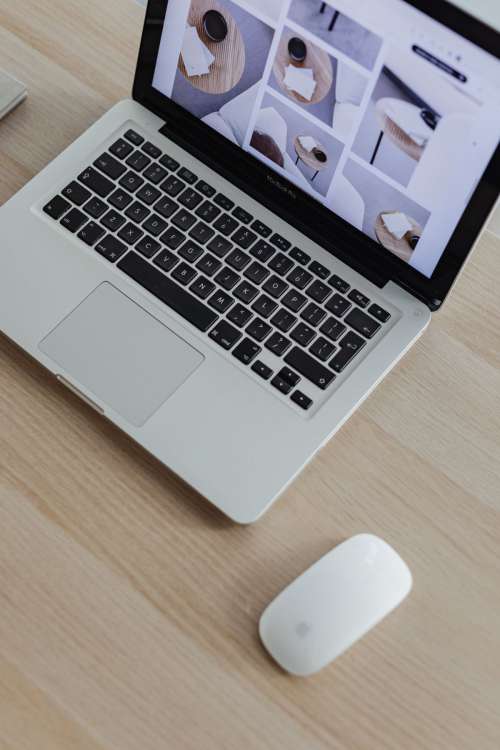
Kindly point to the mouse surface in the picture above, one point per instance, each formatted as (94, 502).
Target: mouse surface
(333, 604)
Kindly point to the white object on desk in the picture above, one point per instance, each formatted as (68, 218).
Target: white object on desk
(407, 117)
(397, 224)
(300, 80)
(195, 56)
(307, 142)
(12, 93)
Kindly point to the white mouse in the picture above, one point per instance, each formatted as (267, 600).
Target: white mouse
(333, 604)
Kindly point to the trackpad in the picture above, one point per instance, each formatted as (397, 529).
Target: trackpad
(121, 353)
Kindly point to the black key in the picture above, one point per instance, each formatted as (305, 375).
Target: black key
(207, 211)
(147, 246)
(90, 233)
(242, 215)
(281, 264)
(275, 287)
(137, 212)
(280, 242)
(183, 219)
(155, 225)
(134, 137)
(172, 238)
(300, 256)
(262, 251)
(187, 175)
(246, 351)
(261, 228)
(359, 298)
(333, 329)
(313, 314)
(165, 260)
(301, 400)
(264, 306)
(148, 194)
(120, 198)
(225, 334)
(73, 220)
(238, 259)
(201, 232)
(339, 284)
(262, 370)
(302, 334)
(191, 251)
(96, 182)
(226, 225)
(183, 273)
(283, 320)
(56, 207)
(379, 313)
(258, 329)
(205, 188)
(95, 207)
(130, 233)
(166, 207)
(110, 166)
(138, 161)
(338, 305)
(322, 349)
(169, 163)
(219, 246)
(244, 237)
(319, 270)
(299, 277)
(151, 150)
(110, 248)
(227, 278)
(318, 291)
(131, 181)
(309, 368)
(283, 386)
(278, 344)
(362, 323)
(190, 198)
(246, 292)
(223, 202)
(113, 220)
(256, 272)
(76, 193)
(209, 264)
(220, 301)
(294, 300)
(172, 186)
(155, 174)
(167, 291)
(202, 287)
(239, 315)
(289, 375)
(350, 345)
(121, 148)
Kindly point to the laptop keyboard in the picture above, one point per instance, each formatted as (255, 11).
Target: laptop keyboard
(225, 272)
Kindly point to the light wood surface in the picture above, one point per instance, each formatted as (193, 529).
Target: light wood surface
(227, 68)
(402, 247)
(316, 59)
(309, 157)
(129, 607)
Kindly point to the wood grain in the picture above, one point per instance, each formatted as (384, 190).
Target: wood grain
(129, 606)
(316, 59)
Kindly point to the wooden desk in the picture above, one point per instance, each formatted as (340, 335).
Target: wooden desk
(129, 607)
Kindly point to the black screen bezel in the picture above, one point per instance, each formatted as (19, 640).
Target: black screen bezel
(301, 209)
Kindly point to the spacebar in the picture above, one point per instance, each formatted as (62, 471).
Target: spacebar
(167, 291)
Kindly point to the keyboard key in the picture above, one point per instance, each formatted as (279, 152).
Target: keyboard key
(333, 329)
(238, 259)
(300, 256)
(183, 273)
(191, 251)
(172, 238)
(96, 182)
(137, 212)
(350, 345)
(190, 198)
(155, 174)
(278, 344)
(90, 233)
(76, 193)
(147, 246)
(246, 351)
(362, 323)
(318, 291)
(283, 386)
(56, 207)
(201, 232)
(256, 272)
(110, 248)
(151, 150)
(134, 137)
(225, 224)
(239, 315)
(281, 264)
(294, 300)
(166, 290)
(261, 228)
(301, 400)
(183, 219)
(187, 175)
(280, 242)
(120, 198)
(313, 314)
(202, 287)
(258, 329)
(262, 370)
(227, 278)
(165, 207)
(310, 368)
(338, 305)
(322, 349)
(224, 202)
(246, 292)
(110, 166)
(155, 225)
(113, 220)
(339, 284)
(172, 186)
(205, 188)
(219, 246)
(73, 220)
(169, 163)
(262, 251)
(264, 306)
(148, 194)
(318, 270)
(242, 215)
(302, 334)
(359, 298)
(244, 237)
(209, 264)
(131, 182)
(165, 260)
(299, 277)
(138, 161)
(95, 207)
(220, 301)
(121, 148)
(289, 375)
(207, 211)
(275, 287)
(379, 313)
(130, 233)
(283, 320)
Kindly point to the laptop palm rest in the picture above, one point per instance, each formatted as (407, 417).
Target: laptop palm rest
(123, 355)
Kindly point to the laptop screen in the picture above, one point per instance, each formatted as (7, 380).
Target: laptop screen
(382, 114)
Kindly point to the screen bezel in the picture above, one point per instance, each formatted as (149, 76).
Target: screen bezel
(299, 208)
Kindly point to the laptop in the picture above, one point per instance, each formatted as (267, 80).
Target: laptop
(226, 264)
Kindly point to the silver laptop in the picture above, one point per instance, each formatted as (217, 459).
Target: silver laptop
(228, 263)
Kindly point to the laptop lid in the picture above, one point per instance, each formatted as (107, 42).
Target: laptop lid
(373, 127)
